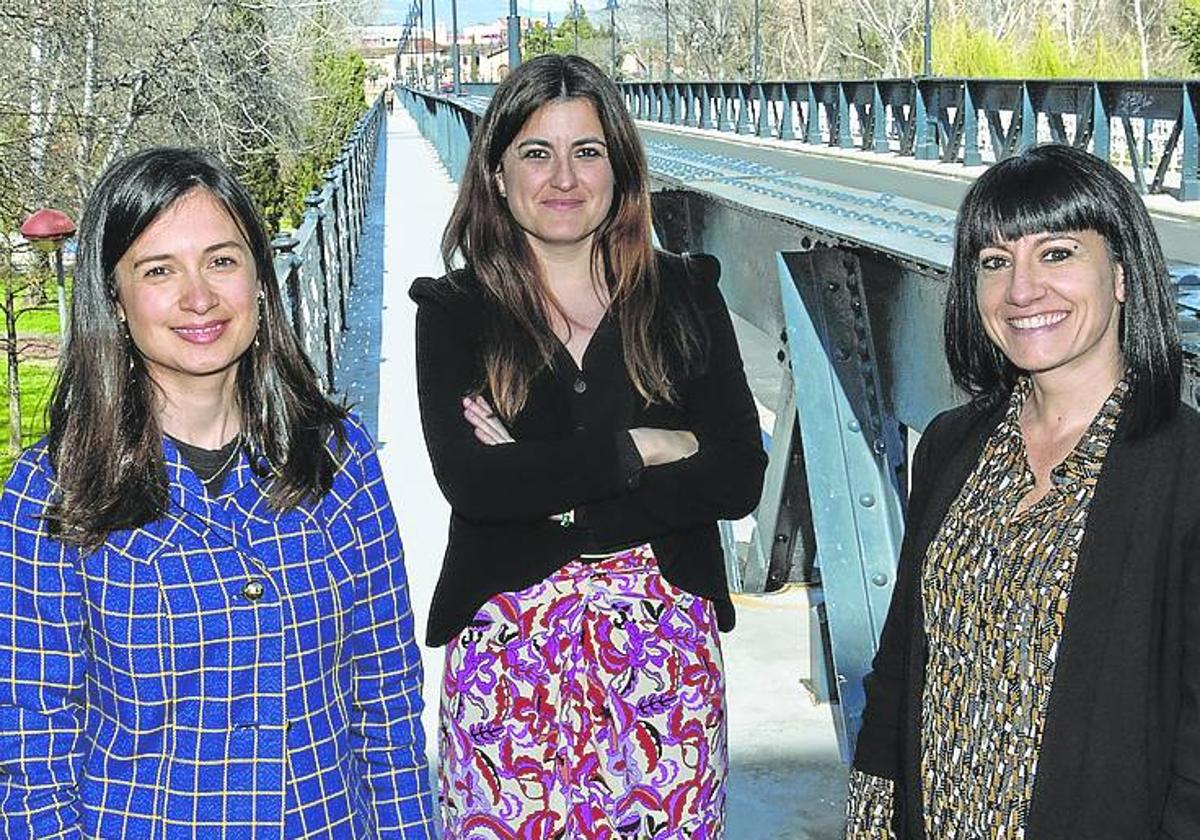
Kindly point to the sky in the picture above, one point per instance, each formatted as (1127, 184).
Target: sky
(483, 11)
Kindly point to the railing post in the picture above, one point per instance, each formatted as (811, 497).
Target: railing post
(283, 247)
(970, 123)
(879, 137)
(924, 142)
(1028, 136)
(787, 125)
(843, 118)
(1189, 184)
(706, 115)
(812, 127)
(722, 108)
(1101, 127)
(764, 111)
(743, 118)
(328, 311)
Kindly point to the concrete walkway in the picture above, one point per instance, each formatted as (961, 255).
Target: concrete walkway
(786, 778)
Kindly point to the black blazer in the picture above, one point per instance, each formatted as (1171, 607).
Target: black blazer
(1120, 757)
(570, 453)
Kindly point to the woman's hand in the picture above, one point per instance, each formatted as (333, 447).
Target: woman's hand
(488, 428)
(663, 446)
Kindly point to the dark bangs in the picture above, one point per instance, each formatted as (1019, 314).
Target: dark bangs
(1037, 193)
(1057, 189)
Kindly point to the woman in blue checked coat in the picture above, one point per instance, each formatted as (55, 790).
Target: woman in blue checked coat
(204, 619)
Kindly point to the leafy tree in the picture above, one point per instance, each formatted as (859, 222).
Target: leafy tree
(337, 74)
(542, 39)
(1185, 27)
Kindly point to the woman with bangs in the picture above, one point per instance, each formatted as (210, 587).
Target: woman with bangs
(588, 419)
(1038, 674)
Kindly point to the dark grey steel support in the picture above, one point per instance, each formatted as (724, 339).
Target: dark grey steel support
(812, 123)
(856, 505)
(1028, 135)
(326, 305)
(1189, 181)
(879, 138)
(763, 128)
(787, 126)
(924, 140)
(843, 119)
(1101, 127)
(283, 249)
(970, 128)
(706, 111)
(1135, 160)
(743, 106)
(723, 123)
(781, 547)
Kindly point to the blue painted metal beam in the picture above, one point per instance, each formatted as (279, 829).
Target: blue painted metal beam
(857, 512)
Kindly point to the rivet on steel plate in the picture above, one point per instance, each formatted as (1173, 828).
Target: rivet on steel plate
(866, 500)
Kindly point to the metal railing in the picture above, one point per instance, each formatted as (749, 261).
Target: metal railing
(315, 262)
(446, 121)
(971, 121)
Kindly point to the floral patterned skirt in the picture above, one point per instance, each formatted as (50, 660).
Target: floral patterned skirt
(588, 707)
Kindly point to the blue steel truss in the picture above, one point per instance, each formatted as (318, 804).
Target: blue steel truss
(952, 120)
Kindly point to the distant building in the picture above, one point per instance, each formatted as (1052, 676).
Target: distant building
(482, 54)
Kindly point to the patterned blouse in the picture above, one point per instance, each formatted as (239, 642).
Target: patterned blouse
(995, 587)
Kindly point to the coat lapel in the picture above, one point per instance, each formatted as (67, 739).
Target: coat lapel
(1107, 544)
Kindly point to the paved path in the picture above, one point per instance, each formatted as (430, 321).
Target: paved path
(786, 779)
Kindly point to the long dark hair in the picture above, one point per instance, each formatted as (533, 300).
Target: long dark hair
(659, 341)
(1060, 188)
(105, 442)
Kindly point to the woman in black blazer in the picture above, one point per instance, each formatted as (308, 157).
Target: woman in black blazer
(1038, 675)
(588, 419)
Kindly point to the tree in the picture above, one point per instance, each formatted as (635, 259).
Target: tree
(1185, 27)
(544, 37)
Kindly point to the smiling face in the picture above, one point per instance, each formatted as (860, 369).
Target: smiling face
(187, 288)
(557, 176)
(1051, 303)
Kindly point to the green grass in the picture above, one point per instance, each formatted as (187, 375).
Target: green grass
(40, 321)
(37, 379)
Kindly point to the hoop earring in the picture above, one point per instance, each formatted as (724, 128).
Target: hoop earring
(130, 347)
(262, 303)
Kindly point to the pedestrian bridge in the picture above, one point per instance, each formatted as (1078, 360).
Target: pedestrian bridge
(831, 206)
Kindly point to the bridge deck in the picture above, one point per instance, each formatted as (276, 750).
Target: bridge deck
(787, 780)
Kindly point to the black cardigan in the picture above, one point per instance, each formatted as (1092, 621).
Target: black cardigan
(1120, 756)
(568, 454)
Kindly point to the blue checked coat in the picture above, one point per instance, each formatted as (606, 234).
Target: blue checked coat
(227, 671)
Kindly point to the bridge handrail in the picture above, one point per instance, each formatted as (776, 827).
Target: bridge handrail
(938, 119)
(315, 262)
(964, 120)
